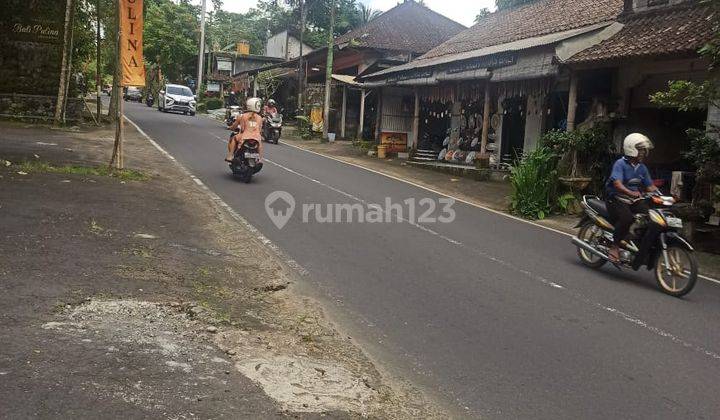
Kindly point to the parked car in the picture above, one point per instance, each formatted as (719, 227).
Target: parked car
(132, 94)
(177, 98)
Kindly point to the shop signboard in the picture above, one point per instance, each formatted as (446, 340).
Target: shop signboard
(224, 65)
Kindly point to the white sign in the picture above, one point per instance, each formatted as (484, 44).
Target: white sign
(224, 65)
(213, 87)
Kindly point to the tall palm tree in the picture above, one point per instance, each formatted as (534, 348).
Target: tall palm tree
(367, 13)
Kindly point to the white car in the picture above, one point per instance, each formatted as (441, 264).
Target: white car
(177, 98)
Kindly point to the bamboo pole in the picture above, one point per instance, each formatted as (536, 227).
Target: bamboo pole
(361, 125)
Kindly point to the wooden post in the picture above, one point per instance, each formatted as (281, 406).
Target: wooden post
(378, 117)
(329, 71)
(486, 120)
(117, 156)
(572, 103)
(344, 113)
(361, 126)
(416, 121)
(64, 76)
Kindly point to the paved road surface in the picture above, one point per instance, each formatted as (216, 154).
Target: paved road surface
(494, 316)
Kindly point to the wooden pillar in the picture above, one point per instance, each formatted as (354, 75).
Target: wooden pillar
(361, 126)
(378, 117)
(416, 121)
(486, 121)
(572, 103)
(344, 112)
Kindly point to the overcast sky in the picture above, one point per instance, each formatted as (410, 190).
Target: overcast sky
(463, 11)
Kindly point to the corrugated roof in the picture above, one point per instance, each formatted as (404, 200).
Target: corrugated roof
(519, 45)
(673, 30)
(407, 27)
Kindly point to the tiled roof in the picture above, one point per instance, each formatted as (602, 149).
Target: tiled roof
(672, 30)
(409, 26)
(535, 19)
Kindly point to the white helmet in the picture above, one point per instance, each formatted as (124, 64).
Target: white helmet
(254, 104)
(634, 142)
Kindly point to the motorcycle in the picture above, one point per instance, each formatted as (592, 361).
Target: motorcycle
(272, 128)
(246, 161)
(231, 114)
(149, 100)
(663, 250)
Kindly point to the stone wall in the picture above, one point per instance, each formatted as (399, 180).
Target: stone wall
(37, 107)
(31, 38)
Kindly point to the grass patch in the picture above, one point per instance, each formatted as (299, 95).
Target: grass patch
(121, 174)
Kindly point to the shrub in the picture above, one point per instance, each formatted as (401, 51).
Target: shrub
(534, 182)
(304, 127)
(214, 103)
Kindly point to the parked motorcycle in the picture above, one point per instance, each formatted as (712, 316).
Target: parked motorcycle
(664, 251)
(272, 128)
(149, 100)
(246, 161)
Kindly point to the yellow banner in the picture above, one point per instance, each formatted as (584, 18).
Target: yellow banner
(131, 43)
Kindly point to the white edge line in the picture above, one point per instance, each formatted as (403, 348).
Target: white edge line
(235, 215)
(499, 213)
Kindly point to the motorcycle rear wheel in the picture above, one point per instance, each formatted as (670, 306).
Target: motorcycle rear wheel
(679, 279)
(589, 233)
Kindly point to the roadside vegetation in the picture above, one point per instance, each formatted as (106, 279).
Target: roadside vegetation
(28, 167)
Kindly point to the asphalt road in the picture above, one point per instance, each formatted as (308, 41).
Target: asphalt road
(495, 317)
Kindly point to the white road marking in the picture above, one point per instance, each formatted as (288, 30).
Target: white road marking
(470, 203)
(575, 295)
(296, 266)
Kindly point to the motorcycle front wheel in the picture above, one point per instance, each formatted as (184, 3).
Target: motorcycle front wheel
(680, 277)
(590, 233)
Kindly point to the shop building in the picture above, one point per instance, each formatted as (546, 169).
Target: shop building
(494, 89)
(658, 43)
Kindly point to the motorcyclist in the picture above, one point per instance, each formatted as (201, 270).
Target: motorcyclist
(249, 125)
(270, 108)
(628, 180)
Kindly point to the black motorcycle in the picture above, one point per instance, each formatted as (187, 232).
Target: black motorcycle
(654, 242)
(246, 161)
(149, 100)
(272, 128)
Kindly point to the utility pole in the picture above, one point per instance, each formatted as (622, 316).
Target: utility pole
(301, 67)
(98, 79)
(329, 70)
(64, 76)
(201, 56)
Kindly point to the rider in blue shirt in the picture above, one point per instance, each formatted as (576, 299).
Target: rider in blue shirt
(628, 180)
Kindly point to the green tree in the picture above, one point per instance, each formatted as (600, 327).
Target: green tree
(509, 4)
(367, 13)
(171, 36)
(484, 12)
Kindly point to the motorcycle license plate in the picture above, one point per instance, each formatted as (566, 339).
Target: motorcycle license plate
(252, 156)
(674, 222)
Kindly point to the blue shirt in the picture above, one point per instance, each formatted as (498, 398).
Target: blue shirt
(633, 177)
